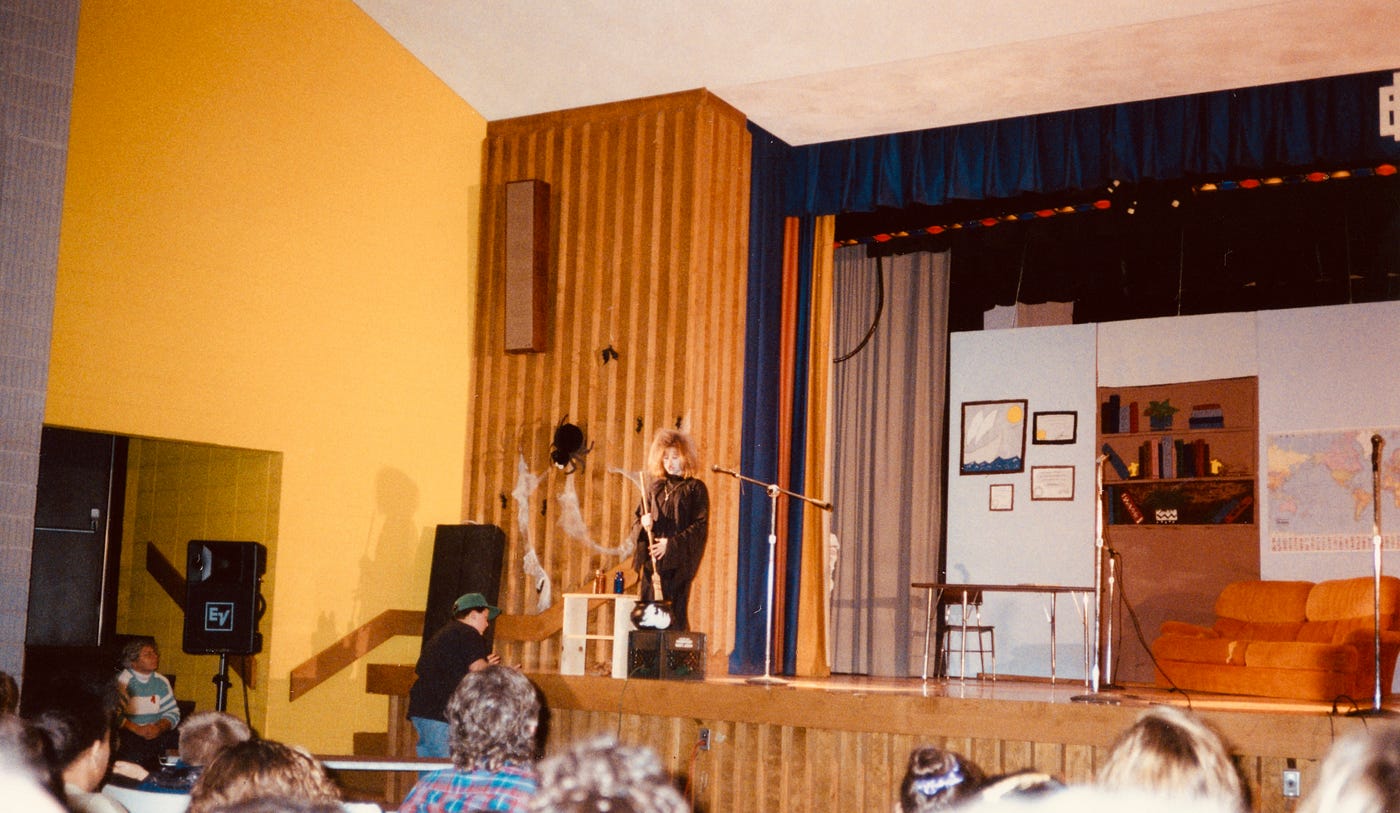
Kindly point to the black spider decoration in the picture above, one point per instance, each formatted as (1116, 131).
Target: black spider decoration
(567, 451)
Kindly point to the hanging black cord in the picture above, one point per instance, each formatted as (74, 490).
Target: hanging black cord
(879, 309)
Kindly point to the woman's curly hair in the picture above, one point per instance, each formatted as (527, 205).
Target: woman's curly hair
(261, 768)
(492, 718)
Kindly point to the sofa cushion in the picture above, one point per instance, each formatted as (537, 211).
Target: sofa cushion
(1190, 630)
(1194, 649)
(1337, 631)
(1268, 602)
(1354, 598)
(1238, 630)
(1285, 655)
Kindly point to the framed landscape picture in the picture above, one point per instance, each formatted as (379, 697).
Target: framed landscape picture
(993, 437)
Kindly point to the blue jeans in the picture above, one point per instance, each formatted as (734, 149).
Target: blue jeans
(432, 738)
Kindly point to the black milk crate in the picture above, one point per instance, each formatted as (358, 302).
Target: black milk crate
(666, 655)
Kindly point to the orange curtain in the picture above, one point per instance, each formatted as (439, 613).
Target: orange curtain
(812, 658)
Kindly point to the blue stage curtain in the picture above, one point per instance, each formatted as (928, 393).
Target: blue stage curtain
(1330, 122)
(759, 458)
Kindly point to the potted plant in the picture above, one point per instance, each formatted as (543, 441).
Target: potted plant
(1159, 414)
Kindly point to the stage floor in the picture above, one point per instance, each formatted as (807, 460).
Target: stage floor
(1041, 690)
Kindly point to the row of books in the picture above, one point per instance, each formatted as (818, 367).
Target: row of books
(1206, 416)
(1117, 417)
(1164, 457)
(1229, 512)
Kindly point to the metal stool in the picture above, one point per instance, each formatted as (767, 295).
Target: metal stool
(962, 617)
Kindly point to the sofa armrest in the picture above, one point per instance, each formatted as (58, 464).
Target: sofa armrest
(1188, 630)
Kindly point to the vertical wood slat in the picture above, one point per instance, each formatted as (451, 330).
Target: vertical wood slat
(649, 253)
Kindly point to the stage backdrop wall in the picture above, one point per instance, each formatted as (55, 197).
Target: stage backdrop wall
(1330, 368)
(1038, 541)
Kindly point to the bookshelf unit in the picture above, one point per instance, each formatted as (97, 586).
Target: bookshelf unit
(1174, 564)
(1197, 471)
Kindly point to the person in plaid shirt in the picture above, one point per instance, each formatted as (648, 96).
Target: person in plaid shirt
(493, 717)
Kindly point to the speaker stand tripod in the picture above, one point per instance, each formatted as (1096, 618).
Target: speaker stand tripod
(1094, 695)
(773, 490)
(1375, 710)
(221, 684)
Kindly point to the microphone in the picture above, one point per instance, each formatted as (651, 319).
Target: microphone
(1376, 443)
(723, 470)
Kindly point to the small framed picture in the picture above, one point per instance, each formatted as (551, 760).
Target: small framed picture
(1052, 482)
(1001, 496)
(1054, 427)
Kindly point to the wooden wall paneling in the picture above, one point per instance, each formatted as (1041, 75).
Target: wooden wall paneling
(1080, 763)
(627, 264)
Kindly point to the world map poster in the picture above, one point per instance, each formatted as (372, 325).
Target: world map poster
(1321, 486)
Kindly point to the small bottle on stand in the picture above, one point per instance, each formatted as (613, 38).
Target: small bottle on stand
(600, 582)
(618, 583)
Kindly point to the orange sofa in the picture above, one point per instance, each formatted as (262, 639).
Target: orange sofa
(1286, 639)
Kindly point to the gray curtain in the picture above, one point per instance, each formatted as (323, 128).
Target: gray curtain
(887, 464)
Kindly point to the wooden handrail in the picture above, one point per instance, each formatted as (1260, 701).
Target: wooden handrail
(311, 673)
(168, 578)
(359, 642)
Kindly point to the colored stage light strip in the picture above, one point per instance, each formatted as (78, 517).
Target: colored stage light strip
(1384, 170)
(980, 223)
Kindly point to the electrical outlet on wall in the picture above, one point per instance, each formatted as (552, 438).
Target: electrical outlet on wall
(1292, 783)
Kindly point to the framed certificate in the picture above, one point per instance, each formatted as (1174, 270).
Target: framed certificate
(1054, 427)
(1052, 482)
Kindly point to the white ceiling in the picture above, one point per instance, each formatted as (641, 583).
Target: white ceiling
(819, 70)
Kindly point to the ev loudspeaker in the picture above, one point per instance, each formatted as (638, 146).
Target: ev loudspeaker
(466, 559)
(527, 265)
(223, 599)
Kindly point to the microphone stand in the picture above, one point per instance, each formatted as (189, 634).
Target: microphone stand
(773, 490)
(1375, 711)
(1094, 696)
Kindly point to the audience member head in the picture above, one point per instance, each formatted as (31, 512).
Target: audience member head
(25, 751)
(937, 779)
(79, 735)
(9, 694)
(135, 656)
(255, 769)
(597, 775)
(18, 788)
(205, 735)
(1171, 752)
(492, 718)
(1360, 774)
(280, 804)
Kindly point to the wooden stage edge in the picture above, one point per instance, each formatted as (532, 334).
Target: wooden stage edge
(791, 734)
(1007, 709)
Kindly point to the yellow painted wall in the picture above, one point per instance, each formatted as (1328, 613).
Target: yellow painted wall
(269, 242)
